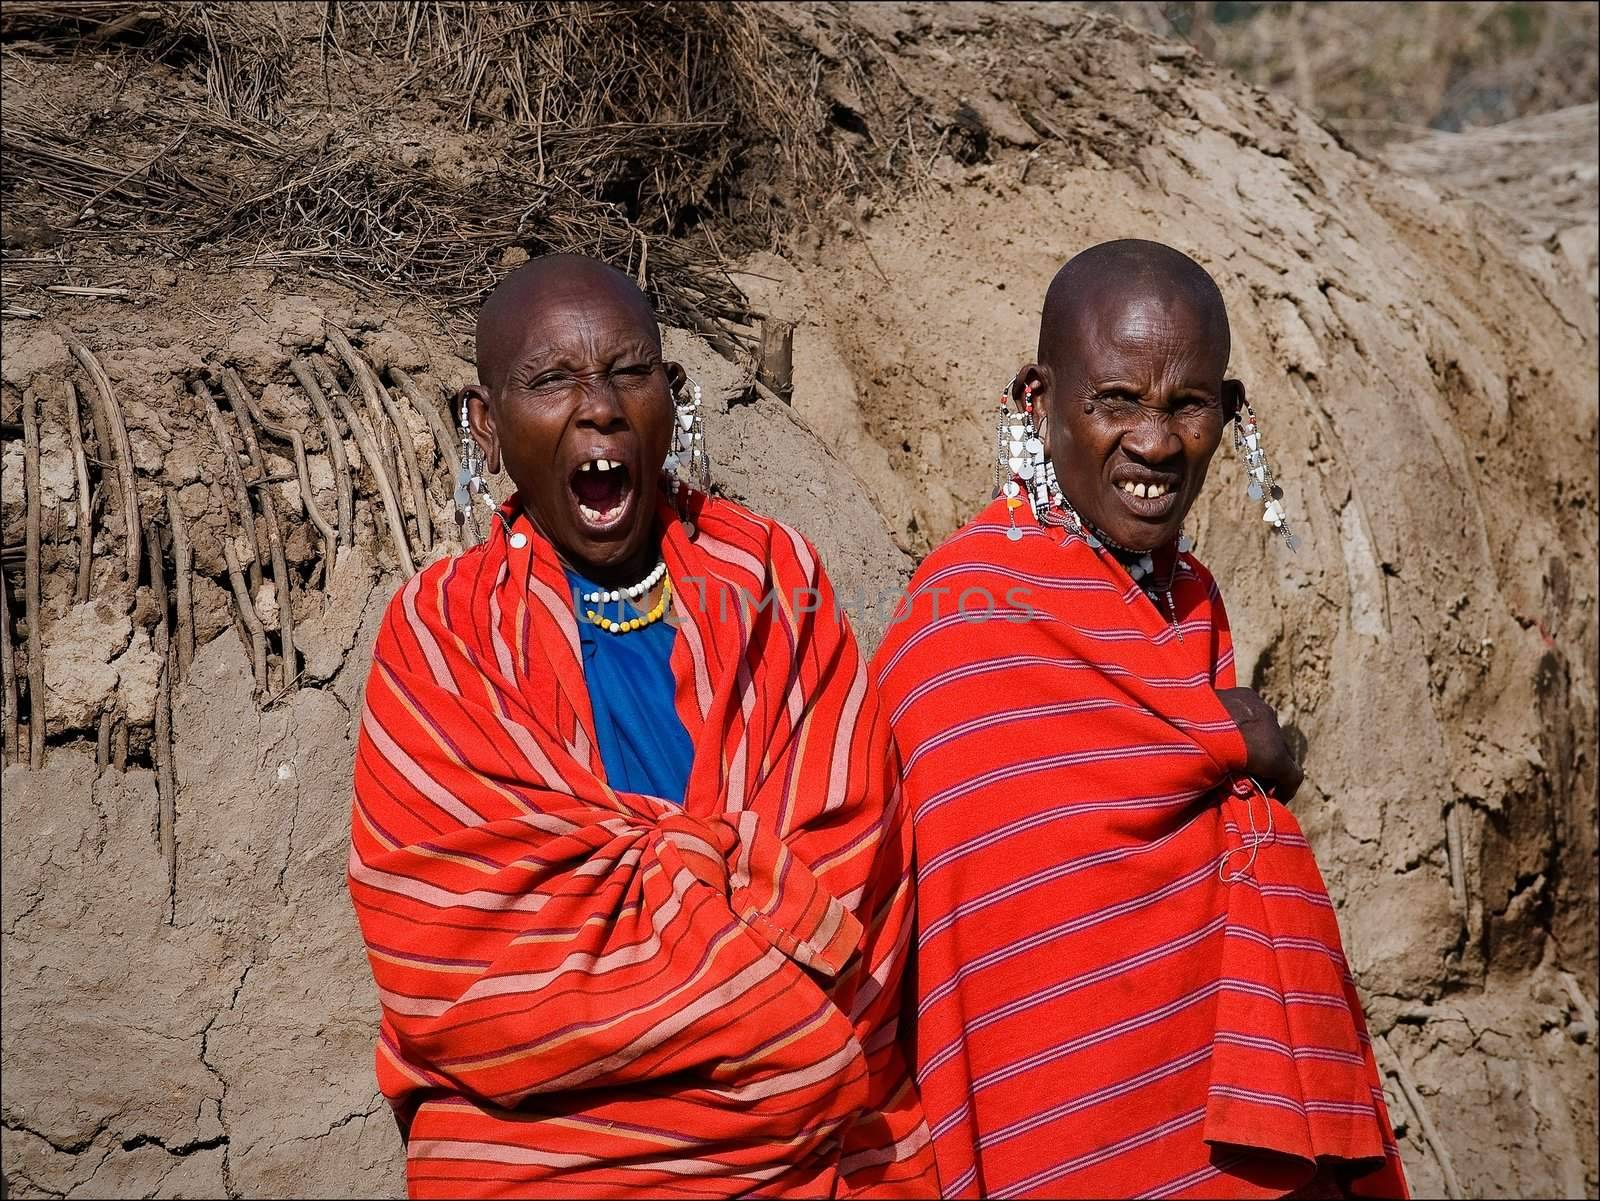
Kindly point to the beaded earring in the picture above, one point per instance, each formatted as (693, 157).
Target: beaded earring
(1021, 466)
(687, 462)
(469, 480)
(1260, 484)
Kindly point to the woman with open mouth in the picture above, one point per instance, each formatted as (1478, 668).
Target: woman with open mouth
(626, 850)
(1129, 975)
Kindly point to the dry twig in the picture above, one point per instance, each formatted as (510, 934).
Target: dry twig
(408, 456)
(231, 469)
(345, 492)
(183, 575)
(243, 405)
(32, 605)
(161, 735)
(373, 457)
(80, 466)
(102, 742)
(118, 430)
(1397, 1069)
(8, 675)
(166, 774)
(381, 405)
(289, 434)
(247, 613)
(442, 438)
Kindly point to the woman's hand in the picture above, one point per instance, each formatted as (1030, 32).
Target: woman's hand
(1267, 756)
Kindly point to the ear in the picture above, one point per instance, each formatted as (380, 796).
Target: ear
(480, 423)
(1040, 377)
(675, 377)
(1233, 401)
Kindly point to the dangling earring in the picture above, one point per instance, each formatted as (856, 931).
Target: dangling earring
(1260, 484)
(1021, 466)
(687, 463)
(469, 480)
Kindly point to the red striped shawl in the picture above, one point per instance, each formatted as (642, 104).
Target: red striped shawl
(1099, 1013)
(592, 993)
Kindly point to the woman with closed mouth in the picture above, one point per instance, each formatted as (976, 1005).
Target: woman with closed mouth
(1129, 978)
(626, 846)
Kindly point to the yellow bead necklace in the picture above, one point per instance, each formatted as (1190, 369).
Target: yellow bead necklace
(657, 612)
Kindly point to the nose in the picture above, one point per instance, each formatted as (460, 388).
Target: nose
(1152, 439)
(598, 407)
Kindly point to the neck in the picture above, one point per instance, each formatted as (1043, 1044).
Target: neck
(622, 574)
(1124, 554)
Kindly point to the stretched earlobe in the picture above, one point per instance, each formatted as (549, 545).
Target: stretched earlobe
(675, 376)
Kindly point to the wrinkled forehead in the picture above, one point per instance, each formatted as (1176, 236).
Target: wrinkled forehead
(1146, 324)
(565, 316)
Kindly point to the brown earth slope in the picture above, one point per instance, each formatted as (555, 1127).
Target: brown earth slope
(187, 1008)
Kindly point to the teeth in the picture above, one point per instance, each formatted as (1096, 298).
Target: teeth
(1145, 491)
(599, 465)
(1139, 491)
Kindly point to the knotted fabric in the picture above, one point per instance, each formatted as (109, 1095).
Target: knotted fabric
(588, 992)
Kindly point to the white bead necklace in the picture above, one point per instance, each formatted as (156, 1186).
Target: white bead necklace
(634, 592)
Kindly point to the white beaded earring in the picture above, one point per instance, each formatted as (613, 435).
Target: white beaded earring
(469, 480)
(1021, 465)
(687, 462)
(1260, 484)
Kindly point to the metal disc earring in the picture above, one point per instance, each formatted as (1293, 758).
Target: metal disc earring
(469, 479)
(1260, 484)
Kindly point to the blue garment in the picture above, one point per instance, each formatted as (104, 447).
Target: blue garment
(643, 744)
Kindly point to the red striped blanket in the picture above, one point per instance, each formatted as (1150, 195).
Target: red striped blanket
(1100, 1014)
(591, 993)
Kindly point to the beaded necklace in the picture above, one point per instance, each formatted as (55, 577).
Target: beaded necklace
(658, 575)
(1140, 565)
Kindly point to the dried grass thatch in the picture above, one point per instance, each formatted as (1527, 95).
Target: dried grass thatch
(609, 129)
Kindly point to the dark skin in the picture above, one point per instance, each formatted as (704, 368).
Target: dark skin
(1130, 388)
(573, 379)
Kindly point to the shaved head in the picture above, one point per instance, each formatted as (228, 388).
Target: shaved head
(1113, 273)
(515, 307)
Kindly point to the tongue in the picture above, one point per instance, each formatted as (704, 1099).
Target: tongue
(600, 490)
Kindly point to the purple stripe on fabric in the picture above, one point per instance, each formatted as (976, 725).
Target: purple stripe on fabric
(1045, 876)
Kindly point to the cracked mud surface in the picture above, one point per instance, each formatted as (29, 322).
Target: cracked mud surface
(1424, 373)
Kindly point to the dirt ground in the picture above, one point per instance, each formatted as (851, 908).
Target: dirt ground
(188, 1010)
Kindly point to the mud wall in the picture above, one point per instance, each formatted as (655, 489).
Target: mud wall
(187, 1008)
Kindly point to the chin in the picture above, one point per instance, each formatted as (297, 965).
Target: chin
(601, 553)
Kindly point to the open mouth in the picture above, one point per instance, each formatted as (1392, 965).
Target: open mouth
(601, 490)
(1148, 498)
